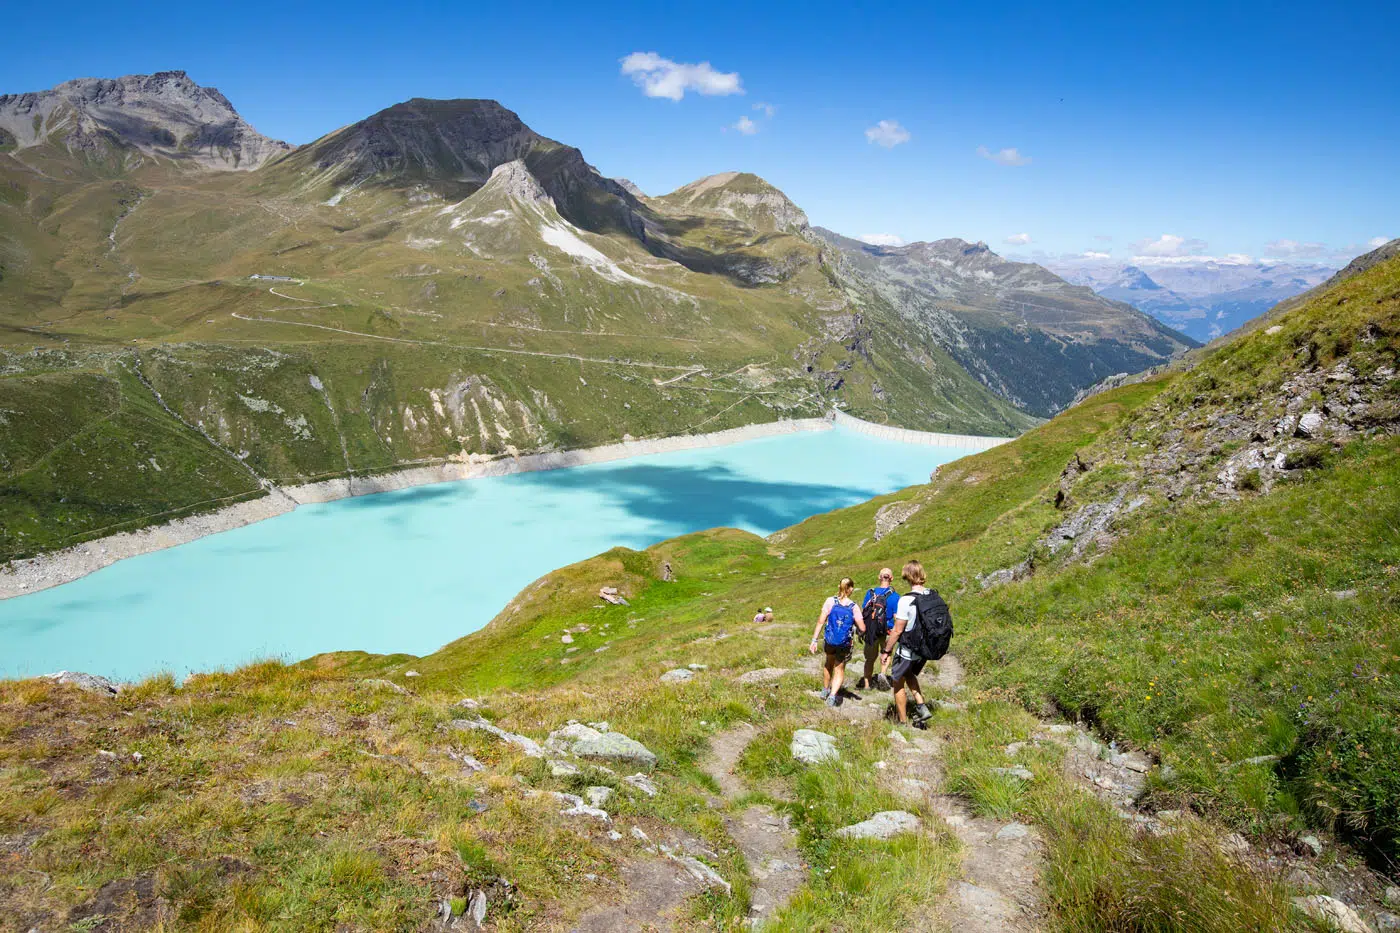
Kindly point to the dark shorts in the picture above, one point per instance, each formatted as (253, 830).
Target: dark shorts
(906, 667)
(838, 654)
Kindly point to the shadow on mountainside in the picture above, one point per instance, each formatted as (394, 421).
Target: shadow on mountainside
(684, 499)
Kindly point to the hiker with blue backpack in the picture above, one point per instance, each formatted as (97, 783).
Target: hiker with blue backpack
(878, 609)
(837, 626)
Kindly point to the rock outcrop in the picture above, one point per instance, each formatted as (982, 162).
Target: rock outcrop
(162, 115)
(812, 747)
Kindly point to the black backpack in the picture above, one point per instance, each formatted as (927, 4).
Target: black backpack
(928, 637)
(876, 626)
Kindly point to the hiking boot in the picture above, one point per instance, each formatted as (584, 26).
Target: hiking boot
(826, 693)
(882, 682)
(834, 700)
(919, 724)
(863, 684)
(922, 712)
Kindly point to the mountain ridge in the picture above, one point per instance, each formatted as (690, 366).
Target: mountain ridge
(164, 114)
(444, 249)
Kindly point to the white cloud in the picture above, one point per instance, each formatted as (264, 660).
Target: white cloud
(887, 133)
(1215, 331)
(744, 125)
(1194, 259)
(1376, 242)
(1094, 254)
(1004, 156)
(1017, 239)
(1284, 248)
(661, 77)
(768, 109)
(1168, 245)
(882, 239)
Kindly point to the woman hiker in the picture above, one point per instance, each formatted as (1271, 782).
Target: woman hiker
(878, 609)
(837, 627)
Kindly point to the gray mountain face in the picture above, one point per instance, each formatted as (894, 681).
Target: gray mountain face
(452, 147)
(164, 115)
(1028, 334)
(1204, 298)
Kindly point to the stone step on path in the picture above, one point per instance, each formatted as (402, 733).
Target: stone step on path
(765, 837)
(654, 891)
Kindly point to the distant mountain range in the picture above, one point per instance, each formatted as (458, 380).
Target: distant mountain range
(1203, 297)
(439, 281)
(1022, 330)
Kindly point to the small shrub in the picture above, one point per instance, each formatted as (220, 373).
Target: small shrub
(1308, 458)
(1249, 481)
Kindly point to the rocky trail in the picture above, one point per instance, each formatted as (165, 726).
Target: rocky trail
(999, 888)
(764, 836)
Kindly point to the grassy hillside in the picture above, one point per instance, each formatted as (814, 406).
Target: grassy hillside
(1182, 567)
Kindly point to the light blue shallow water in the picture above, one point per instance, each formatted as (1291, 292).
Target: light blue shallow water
(412, 570)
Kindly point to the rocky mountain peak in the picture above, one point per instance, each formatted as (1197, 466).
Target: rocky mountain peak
(743, 196)
(453, 140)
(513, 179)
(163, 115)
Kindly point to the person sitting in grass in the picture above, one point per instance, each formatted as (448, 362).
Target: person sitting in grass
(878, 609)
(763, 616)
(903, 641)
(837, 626)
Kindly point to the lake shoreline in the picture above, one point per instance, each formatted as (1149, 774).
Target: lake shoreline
(32, 575)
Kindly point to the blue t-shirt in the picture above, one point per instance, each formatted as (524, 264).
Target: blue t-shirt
(891, 600)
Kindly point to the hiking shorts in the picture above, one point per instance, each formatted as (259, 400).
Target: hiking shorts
(906, 667)
(873, 649)
(837, 654)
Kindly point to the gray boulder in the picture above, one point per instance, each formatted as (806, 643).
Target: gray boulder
(587, 742)
(529, 746)
(882, 825)
(574, 806)
(89, 682)
(763, 675)
(678, 676)
(1310, 424)
(1013, 831)
(643, 783)
(1332, 913)
(598, 796)
(812, 747)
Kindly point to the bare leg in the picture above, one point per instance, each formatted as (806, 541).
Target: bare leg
(826, 672)
(918, 694)
(901, 701)
(838, 677)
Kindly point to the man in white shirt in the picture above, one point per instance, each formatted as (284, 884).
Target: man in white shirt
(907, 665)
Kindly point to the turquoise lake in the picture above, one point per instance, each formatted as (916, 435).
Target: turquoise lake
(412, 570)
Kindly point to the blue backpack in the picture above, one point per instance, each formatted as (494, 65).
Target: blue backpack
(840, 622)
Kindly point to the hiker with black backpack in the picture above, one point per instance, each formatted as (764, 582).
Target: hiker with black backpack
(923, 628)
(837, 625)
(879, 606)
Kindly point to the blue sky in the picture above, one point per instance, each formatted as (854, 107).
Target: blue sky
(1180, 128)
